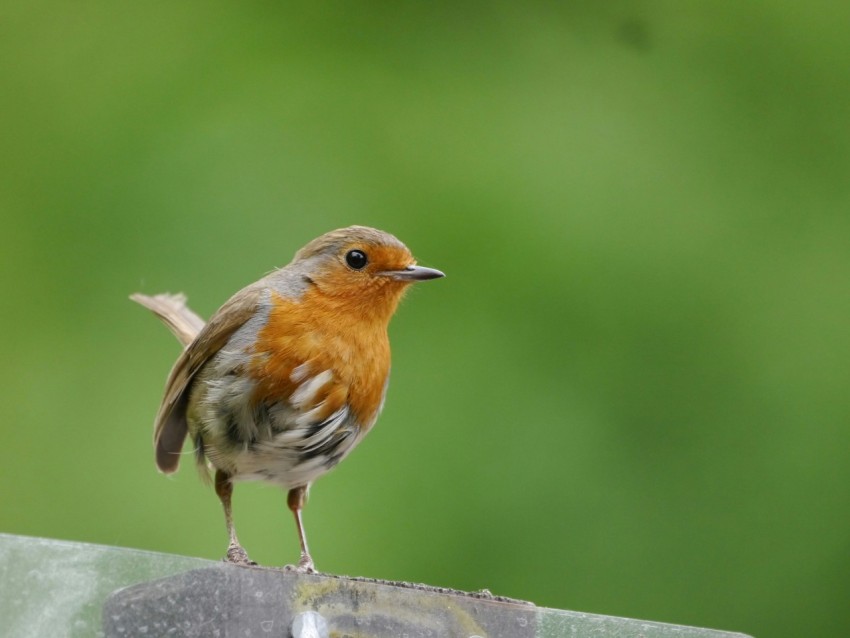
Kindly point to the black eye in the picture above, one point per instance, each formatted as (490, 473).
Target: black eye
(356, 259)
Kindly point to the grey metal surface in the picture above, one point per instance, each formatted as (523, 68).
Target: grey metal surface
(56, 589)
(228, 601)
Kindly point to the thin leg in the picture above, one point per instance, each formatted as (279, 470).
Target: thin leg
(296, 499)
(224, 489)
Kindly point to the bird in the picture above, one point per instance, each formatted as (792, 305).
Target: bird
(289, 375)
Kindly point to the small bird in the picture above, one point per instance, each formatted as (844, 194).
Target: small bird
(290, 374)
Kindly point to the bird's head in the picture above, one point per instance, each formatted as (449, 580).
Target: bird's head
(361, 267)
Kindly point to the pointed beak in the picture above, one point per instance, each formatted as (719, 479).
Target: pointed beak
(414, 273)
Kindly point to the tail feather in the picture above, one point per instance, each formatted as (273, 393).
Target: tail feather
(174, 313)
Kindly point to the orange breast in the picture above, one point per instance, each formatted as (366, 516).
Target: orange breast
(319, 335)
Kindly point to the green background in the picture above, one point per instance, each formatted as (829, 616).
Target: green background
(630, 394)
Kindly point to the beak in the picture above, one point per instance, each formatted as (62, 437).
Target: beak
(413, 273)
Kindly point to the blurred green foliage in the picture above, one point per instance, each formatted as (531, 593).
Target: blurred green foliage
(630, 395)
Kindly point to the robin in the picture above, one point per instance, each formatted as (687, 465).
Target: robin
(290, 374)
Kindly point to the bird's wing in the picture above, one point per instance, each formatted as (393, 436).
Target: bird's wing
(170, 427)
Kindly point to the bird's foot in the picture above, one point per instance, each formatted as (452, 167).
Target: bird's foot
(237, 555)
(304, 566)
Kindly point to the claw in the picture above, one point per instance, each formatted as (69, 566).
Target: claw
(237, 555)
(304, 566)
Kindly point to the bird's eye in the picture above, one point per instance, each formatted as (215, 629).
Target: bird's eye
(356, 259)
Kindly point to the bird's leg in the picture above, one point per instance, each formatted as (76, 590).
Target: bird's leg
(296, 499)
(224, 488)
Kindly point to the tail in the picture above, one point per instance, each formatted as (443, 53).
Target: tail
(174, 313)
(185, 325)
